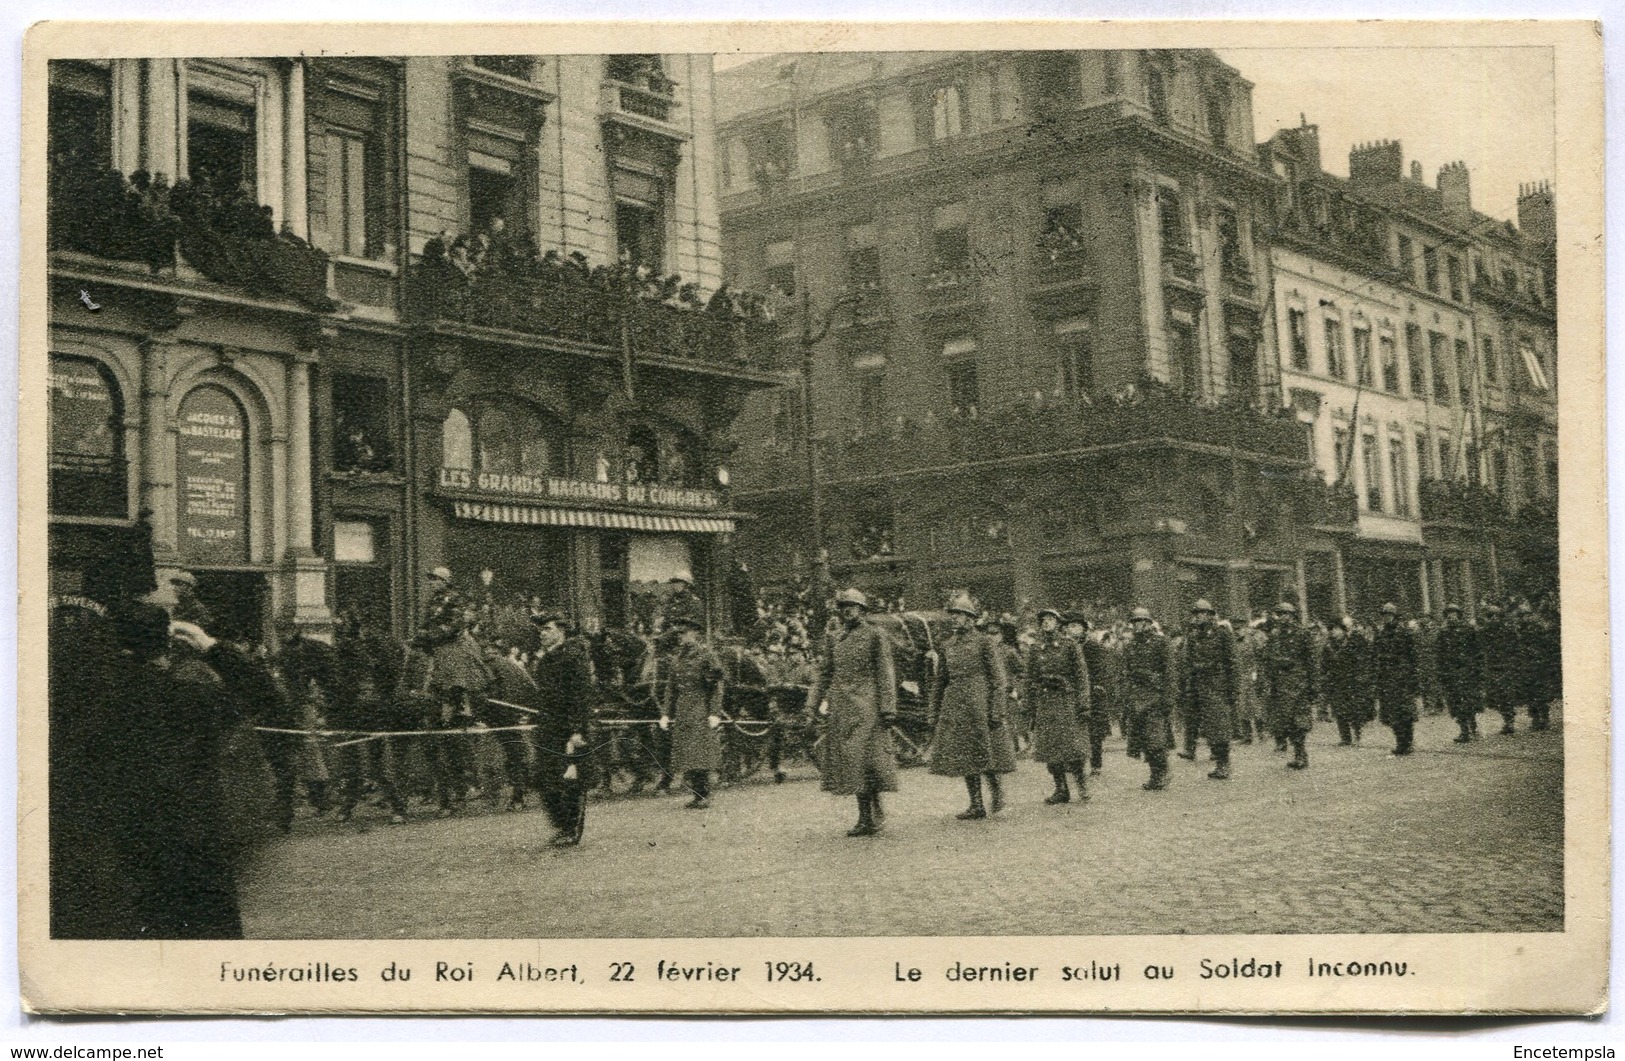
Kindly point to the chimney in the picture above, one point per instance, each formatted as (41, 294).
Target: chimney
(1376, 164)
(1303, 144)
(1416, 172)
(1455, 193)
(1537, 212)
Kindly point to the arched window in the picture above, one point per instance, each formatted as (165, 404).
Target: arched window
(211, 477)
(87, 441)
(502, 437)
(457, 442)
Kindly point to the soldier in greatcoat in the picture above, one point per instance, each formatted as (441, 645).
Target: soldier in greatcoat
(1346, 675)
(1542, 670)
(563, 699)
(969, 701)
(1208, 687)
(1149, 692)
(1503, 658)
(1058, 690)
(1461, 671)
(1394, 678)
(691, 706)
(1101, 702)
(856, 688)
(1290, 680)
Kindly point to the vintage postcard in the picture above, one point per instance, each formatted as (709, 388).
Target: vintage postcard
(1034, 517)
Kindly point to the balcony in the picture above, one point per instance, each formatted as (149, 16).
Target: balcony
(947, 290)
(565, 300)
(649, 105)
(867, 305)
(1063, 267)
(1512, 297)
(1239, 283)
(1180, 264)
(1460, 502)
(183, 231)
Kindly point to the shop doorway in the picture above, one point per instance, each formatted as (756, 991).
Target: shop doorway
(236, 600)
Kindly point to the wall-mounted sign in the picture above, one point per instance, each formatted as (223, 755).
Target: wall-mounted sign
(578, 491)
(211, 473)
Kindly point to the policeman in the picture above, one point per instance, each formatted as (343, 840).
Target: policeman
(1503, 655)
(1346, 669)
(1394, 678)
(1058, 690)
(856, 688)
(564, 695)
(1208, 687)
(1290, 681)
(1461, 671)
(691, 706)
(968, 701)
(1150, 688)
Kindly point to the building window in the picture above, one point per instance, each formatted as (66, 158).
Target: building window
(350, 176)
(221, 144)
(1371, 462)
(1340, 453)
(947, 112)
(1243, 374)
(772, 153)
(457, 442)
(1492, 366)
(1390, 363)
(1336, 363)
(1453, 271)
(1075, 357)
(1218, 115)
(1407, 259)
(1111, 73)
(518, 67)
(1498, 471)
(1534, 366)
(502, 437)
(645, 71)
(871, 391)
(1232, 255)
(1413, 354)
(1437, 359)
(86, 417)
(361, 576)
(855, 132)
(1297, 326)
(779, 267)
(1156, 94)
(1464, 372)
(1184, 361)
(640, 234)
(1364, 371)
(964, 394)
(211, 477)
(1424, 455)
(1447, 458)
(1062, 234)
(1430, 268)
(1171, 220)
(1401, 484)
(950, 238)
(79, 126)
(362, 439)
(345, 232)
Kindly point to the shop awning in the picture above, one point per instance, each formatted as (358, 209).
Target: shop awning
(543, 516)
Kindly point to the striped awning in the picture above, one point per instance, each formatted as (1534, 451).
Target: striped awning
(540, 516)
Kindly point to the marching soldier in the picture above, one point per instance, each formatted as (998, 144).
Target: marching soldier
(1345, 668)
(1075, 627)
(1208, 688)
(1542, 669)
(1503, 658)
(1057, 680)
(1288, 667)
(968, 703)
(1394, 678)
(1149, 694)
(564, 694)
(856, 688)
(1461, 671)
(691, 706)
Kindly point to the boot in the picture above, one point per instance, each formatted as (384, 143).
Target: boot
(1507, 728)
(1221, 755)
(1403, 732)
(700, 782)
(995, 793)
(1300, 755)
(1280, 744)
(1062, 794)
(975, 812)
(1356, 734)
(1466, 733)
(1345, 733)
(1159, 771)
(866, 817)
(877, 810)
(1083, 783)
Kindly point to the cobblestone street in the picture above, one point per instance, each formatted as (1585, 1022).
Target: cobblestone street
(1449, 840)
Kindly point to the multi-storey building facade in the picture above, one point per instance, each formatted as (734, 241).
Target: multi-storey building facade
(1051, 374)
(330, 322)
(1394, 358)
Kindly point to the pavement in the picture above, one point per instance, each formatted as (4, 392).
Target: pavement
(1455, 838)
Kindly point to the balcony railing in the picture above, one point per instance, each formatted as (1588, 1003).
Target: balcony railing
(1180, 264)
(950, 287)
(1058, 266)
(867, 302)
(226, 237)
(653, 100)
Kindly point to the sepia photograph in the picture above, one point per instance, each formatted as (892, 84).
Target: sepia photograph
(822, 494)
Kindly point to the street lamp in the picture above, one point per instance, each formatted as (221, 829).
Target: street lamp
(815, 493)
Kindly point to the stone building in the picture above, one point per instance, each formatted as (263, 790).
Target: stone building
(1050, 374)
(1400, 361)
(378, 325)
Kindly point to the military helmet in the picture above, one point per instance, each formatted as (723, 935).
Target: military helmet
(962, 603)
(1139, 614)
(852, 596)
(1492, 609)
(1202, 605)
(1286, 607)
(1068, 618)
(1390, 608)
(1452, 607)
(1060, 618)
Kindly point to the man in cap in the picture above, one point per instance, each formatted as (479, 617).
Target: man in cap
(563, 699)
(691, 706)
(1058, 689)
(1150, 689)
(457, 674)
(1290, 681)
(1503, 657)
(188, 608)
(969, 698)
(1461, 671)
(1207, 688)
(681, 598)
(856, 688)
(1346, 672)
(1393, 677)
(1075, 627)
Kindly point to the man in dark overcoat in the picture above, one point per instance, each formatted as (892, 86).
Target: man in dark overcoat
(1461, 671)
(1291, 680)
(1058, 688)
(968, 701)
(1394, 678)
(1346, 675)
(691, 706)
(1208, 687)
(564, 695)
(1102, 703)
(856, 688)
(1503, 659)
(1150, 687)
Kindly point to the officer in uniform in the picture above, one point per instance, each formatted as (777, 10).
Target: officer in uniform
(1150, 689)
(691, 706)
(1503, 655)
(969, 699)
(1461, 671)
(856, 688)
(1058, 690)
(1075, 627)
(564, 696)
(1394, 678)
(1290, 681)
(1208, 688)
(1346, 669)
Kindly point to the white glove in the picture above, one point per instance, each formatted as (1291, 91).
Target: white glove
(823, 707)
(192, 635)
(665, 723)
(714, 722)
(576, 741)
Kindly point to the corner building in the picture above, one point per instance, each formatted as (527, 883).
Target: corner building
(248, 345)
(1050, 374)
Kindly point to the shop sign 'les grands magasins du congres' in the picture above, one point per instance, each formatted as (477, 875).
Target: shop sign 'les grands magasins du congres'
(578, 492)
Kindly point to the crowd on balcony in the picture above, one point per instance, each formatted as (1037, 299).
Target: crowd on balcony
(1058, 239)
(873, 542)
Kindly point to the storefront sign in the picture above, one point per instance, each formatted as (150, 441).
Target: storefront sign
(578, 491)
(211, 468)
